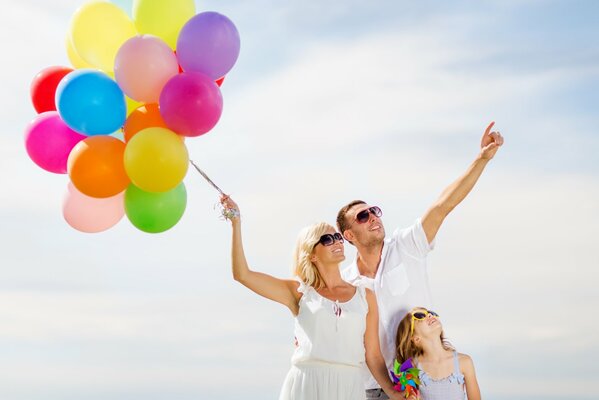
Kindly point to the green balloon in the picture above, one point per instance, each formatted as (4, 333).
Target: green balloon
(155, 212)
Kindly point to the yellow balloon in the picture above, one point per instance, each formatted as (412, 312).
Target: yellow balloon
(156, 159)
(74, 58)
(97, 31)
(163, 18)
(132, 104)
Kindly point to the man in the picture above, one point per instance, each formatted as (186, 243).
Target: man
(395, 267)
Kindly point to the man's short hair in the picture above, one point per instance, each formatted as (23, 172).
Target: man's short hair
(342, 223)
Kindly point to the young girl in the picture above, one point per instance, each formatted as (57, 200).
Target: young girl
(336, 324)
(445, 374)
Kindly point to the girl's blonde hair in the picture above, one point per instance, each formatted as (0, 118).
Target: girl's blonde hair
(405, 346)
(303, 267)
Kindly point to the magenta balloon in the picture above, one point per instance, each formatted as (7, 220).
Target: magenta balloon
(90, 214)
(191, 104)
(142, 67)
(49, 141)
(208, 43)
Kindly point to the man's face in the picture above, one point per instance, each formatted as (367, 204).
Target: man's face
(365, 228)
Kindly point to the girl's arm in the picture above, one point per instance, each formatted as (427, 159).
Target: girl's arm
(467, 367)
(282, 291)
(374, 358)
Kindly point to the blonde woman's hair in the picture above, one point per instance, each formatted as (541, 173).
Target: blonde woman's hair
(303, 267)
(405, 346)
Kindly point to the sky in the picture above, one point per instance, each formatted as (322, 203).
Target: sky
(329, 101)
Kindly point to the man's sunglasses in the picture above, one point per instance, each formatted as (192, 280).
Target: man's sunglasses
(329, 238)
(419, 316)
(364, 215)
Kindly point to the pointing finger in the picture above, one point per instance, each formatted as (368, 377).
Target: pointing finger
(488, 130)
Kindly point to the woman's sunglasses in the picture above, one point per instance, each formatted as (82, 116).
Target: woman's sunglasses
(329, 238)
(364, 215)
(419, 316)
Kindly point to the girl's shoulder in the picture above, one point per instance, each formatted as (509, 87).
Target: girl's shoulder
(466, 363)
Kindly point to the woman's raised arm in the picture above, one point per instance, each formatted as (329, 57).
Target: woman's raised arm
(282, 291)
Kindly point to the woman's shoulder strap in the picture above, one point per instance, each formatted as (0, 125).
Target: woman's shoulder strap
(302, 287)
(361, 289)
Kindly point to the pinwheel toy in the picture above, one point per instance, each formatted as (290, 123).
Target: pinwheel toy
(406, 377)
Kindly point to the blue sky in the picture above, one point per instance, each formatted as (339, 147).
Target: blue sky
(384, 101)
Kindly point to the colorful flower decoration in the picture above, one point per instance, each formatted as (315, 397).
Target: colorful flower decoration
(406, 377)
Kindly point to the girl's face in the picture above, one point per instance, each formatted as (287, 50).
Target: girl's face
(428, 326)
(330, 248)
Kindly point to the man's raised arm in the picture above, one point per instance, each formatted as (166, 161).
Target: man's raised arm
(459, 189)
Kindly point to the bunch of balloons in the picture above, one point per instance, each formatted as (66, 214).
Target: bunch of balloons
(117, 121)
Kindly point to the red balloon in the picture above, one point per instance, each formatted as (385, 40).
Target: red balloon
(180, 69)
(43, 87)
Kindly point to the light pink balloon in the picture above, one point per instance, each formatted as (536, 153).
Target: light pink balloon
(90, 214)
(191, 104)
(49, 141)
(142, 67)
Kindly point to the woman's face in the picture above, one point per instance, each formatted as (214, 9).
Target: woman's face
(430, 326)
(331, 254)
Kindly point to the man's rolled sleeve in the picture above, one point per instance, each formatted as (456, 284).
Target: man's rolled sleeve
(412, 240)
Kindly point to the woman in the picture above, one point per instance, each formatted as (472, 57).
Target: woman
(336, 324)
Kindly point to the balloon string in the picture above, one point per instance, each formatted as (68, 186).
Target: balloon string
(227, 213)
(206, 177)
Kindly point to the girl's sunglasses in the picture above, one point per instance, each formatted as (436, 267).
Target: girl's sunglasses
(423, 314)
(419, 316)
(364, 215)
(329, 238)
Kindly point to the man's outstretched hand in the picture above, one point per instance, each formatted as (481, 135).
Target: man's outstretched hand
(490, 142)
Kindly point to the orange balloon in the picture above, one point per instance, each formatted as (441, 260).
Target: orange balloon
(96, 166)
(146, 116)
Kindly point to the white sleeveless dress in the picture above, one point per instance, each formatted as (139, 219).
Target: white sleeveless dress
(329, 358)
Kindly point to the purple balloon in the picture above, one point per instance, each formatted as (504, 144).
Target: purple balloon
(208, 43)
(191, 104)
(49, 141)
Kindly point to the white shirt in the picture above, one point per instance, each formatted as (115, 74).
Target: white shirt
(401, 283)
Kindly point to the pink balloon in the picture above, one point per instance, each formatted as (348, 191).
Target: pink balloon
(49, 141)
(191, 104)
(90, 214)
(142, 67)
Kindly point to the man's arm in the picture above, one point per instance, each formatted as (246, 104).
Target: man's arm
(459, 189)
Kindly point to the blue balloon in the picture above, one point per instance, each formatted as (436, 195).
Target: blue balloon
(90, 102)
